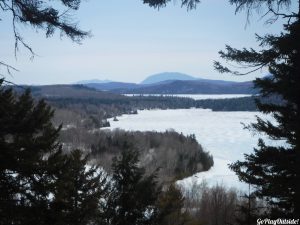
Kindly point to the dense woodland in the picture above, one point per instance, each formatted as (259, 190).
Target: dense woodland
(99, 110)
(175, 155)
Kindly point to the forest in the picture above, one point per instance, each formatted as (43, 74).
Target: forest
(174, 155)
(99, 110)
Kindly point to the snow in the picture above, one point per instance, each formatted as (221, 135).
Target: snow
(196, 96)
(220, 133)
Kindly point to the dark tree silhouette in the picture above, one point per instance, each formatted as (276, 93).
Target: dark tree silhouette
(133, 197)
(78, 191)
(273, 170)
(29, 157)
(38, 183)
(42, 15)
(48, 16)
(171, 205)
(190, 4)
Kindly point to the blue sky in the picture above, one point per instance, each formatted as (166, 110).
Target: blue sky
(131, 41)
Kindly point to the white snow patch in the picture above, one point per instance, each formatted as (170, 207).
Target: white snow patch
(220, 133)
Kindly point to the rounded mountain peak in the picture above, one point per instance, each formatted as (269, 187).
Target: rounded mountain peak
(160, 77)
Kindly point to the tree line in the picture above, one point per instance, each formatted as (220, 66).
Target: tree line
(177, 156)
(91, 112)
(86, 108)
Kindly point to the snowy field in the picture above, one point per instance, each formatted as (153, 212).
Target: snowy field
(220, 133)
(196, 96)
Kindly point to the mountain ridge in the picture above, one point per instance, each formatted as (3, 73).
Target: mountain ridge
(176, 83)
(192, 87)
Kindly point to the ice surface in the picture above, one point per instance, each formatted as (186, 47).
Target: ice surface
(220, 133)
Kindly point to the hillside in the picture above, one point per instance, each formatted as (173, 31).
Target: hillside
(114, 104)
(201, 86)
(70, 91)
(112, 86)
(192, 87)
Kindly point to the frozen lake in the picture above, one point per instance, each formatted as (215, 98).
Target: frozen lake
(196, 96)
(220, 133)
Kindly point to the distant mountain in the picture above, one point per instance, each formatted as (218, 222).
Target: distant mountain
(174, 83)
(202, 86)
(96, 81)
(167, 76)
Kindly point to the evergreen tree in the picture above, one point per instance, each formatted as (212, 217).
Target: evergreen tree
(247, 210)
(273, 170)
(39, 184)
(78, 191)
(170, 206)
(133, 197)
(28, 147)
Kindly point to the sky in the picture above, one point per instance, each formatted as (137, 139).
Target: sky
(131, 41)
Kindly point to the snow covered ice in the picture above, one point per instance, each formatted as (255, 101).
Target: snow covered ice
(220, 133)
